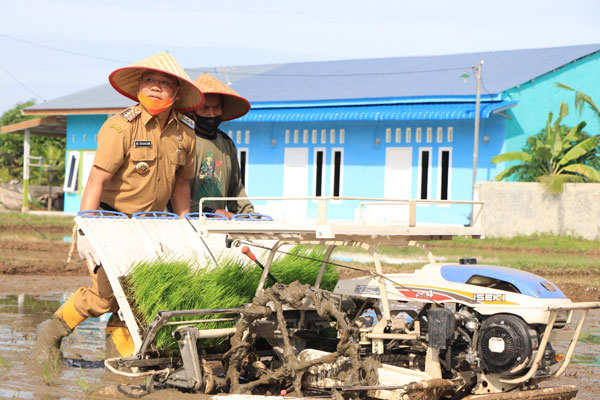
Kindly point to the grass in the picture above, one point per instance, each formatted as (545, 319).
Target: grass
(531, 253)
(4, 363)
(8, 218)
(50, 369)
(82, 381)
(174, 285)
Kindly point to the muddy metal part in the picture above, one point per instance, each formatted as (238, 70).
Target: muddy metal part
(195, 374)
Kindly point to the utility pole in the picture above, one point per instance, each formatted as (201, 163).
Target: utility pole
(476, 135)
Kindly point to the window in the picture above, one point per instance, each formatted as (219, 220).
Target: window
(332, 134)
(445, 157)
(70, 184)
(243, 159)
(247, 139)
(319, 167)
(408, 132)
(323, 136)
(450, 134)
(398, 135)
(337, 162)
(418, 134)
(305, 136)
(314, 136)
(429, 134)
(287, 136)
(238, 135)
(440, 134)
(424, 168)
(342, 136)
(388, 135)
(295, 135)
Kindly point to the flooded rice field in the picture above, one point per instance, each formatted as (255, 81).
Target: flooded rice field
(83, 375)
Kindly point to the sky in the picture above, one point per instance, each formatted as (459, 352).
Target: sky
(50, 49)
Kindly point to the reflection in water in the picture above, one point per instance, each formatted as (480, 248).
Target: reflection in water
(83, 351)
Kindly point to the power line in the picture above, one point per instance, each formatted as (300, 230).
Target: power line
(74, 53)
(21, 83)
(233, 72)
(226, 71)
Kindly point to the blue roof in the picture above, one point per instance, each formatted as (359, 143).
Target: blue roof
(402, 112)
(363, 79)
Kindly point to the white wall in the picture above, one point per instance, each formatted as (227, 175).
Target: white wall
(519, 208)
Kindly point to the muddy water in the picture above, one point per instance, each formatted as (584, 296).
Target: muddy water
(83, 375)
(84, 351)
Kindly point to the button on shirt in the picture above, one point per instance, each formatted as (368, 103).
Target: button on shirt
(159, 157)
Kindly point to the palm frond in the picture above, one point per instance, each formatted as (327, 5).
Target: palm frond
(509, 172)
(588, 172)
(579, 149)
(511, 156)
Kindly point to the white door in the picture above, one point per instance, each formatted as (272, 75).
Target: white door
(295, 182)
(397, 184)
(397, 181)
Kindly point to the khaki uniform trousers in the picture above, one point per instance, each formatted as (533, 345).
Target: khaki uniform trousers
(93, 301)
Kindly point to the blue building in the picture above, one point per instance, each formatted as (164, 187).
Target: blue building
(397, 128)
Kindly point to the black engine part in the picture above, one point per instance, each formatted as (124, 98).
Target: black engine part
(505, 343)
(441, 327)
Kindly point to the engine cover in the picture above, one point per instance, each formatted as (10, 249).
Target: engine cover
(505, 343)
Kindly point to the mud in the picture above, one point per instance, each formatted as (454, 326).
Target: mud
(35, 278)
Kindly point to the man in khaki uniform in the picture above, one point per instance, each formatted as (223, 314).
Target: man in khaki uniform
(145, 156)
(217, 168)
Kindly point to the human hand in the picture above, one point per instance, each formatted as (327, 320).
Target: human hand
(85, 249)
(224, 212)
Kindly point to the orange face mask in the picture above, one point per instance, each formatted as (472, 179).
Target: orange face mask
(154, 106)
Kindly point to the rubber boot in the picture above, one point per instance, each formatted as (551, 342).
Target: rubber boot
(49, 334)
(118, 342)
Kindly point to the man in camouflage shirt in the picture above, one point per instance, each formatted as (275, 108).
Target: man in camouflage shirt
(217, 168)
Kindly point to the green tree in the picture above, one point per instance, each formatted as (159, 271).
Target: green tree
(556, 155)
(11, 150)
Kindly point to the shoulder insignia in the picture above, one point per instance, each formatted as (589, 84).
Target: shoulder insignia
(116, 128)
(131, 113)
(187, 120)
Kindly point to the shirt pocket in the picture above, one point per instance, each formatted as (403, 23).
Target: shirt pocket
(143, 159)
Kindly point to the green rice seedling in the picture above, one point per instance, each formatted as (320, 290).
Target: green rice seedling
(4, 363)
(176, 285)
(82, 381)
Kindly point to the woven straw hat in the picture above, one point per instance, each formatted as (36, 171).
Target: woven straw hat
(234, 105)
(126, 80)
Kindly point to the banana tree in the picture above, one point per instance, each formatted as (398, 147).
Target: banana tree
(555, 156)
(581, 99)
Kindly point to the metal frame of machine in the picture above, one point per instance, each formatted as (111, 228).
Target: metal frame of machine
(200, 238)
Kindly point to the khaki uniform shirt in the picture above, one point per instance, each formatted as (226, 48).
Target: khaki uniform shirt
(218, 175)
(143, 160)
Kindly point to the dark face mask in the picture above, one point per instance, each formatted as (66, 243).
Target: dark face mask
(206, 125)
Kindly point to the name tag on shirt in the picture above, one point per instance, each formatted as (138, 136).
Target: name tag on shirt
(142, 143)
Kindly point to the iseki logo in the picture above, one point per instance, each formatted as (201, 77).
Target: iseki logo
(489, 297)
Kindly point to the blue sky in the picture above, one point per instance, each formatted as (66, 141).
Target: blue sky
(243, 32)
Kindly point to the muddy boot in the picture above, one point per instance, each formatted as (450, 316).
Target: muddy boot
(118, 340)
(118, 343)
(49, 334)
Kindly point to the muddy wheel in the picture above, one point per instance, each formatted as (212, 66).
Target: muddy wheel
(292, 369)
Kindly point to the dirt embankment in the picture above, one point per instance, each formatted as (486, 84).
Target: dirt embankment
(28, 260)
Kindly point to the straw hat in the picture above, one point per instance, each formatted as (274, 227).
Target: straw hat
(234, 105)
(127, 80)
